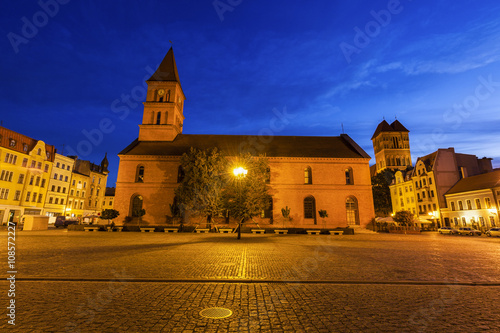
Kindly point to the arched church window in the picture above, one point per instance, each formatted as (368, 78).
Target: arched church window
(136, 206)
(310, 208)
(158, 118)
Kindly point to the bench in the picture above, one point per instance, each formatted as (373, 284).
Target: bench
(171, 230)
(147, 229)
(111, 229)
(225, 231)
(313, 232)
(258, 231)
(336, 232)
(281, 232)
(202, 230)
(91, 228)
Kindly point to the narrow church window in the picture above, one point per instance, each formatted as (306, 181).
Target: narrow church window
(139, 178)
(158, 118)
(161, 99)
(268, 212)
(167, 98)
(268, 175)
(307, 175)
(180, 174)
(310, 208)
(348, 176)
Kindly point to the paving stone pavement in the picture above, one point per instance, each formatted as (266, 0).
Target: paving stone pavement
(133, 282)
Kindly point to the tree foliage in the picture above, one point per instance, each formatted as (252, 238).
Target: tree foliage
(381, 191)
(246, 197)
(200, 192)
(405, 217)
(210, 188)
(109, 214)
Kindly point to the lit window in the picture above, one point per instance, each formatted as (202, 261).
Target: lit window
(307, 175)
(487, 203)
(348, 176)
(478, 204)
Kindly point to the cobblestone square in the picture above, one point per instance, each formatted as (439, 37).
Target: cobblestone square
(156, 282)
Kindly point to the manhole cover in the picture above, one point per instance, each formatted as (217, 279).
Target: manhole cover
(216, 313)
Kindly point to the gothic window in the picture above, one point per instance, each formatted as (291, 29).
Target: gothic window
(310, 208)
(139, 177)
(158, 118)
(307, 175)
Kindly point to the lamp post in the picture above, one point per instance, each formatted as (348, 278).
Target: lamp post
(239, 173)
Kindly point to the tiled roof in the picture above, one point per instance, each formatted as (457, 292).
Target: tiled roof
(278, 146)
(484, 181)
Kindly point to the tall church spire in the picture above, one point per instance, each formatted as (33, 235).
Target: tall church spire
(163, 110)
(167, 71)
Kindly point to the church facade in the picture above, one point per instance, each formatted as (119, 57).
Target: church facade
(307, 174)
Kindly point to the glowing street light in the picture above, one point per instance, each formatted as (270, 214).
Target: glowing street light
(239, 173)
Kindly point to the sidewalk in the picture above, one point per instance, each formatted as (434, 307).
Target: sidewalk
(124, 282)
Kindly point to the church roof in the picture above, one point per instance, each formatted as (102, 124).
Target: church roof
(480, 182)
(167, 71)
(278, 146)
(397, 126)
(384, 126)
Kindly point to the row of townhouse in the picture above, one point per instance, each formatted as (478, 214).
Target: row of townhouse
(35, 180)
(434, 190)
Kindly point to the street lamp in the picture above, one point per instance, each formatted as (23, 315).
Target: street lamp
(239, 173)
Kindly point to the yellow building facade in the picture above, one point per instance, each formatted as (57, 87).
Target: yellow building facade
(474, 202)
(56, 200)
(25, 167)
(402, 193)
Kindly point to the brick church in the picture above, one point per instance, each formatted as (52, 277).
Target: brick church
(307, 173)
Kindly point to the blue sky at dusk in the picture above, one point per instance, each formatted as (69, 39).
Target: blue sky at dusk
(435, 65)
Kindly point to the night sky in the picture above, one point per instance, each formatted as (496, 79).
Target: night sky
(432, 64)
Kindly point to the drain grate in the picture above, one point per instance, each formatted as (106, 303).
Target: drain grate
(216, 313)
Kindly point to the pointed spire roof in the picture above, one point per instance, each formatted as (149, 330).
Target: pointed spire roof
(384, 126)
(397, 126)
(167, 71)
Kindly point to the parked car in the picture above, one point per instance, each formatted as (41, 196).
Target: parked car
(64, 221)
(468, 231)
(493, 232)
(447, 230)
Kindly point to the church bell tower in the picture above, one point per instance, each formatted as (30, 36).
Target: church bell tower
(163, 109)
